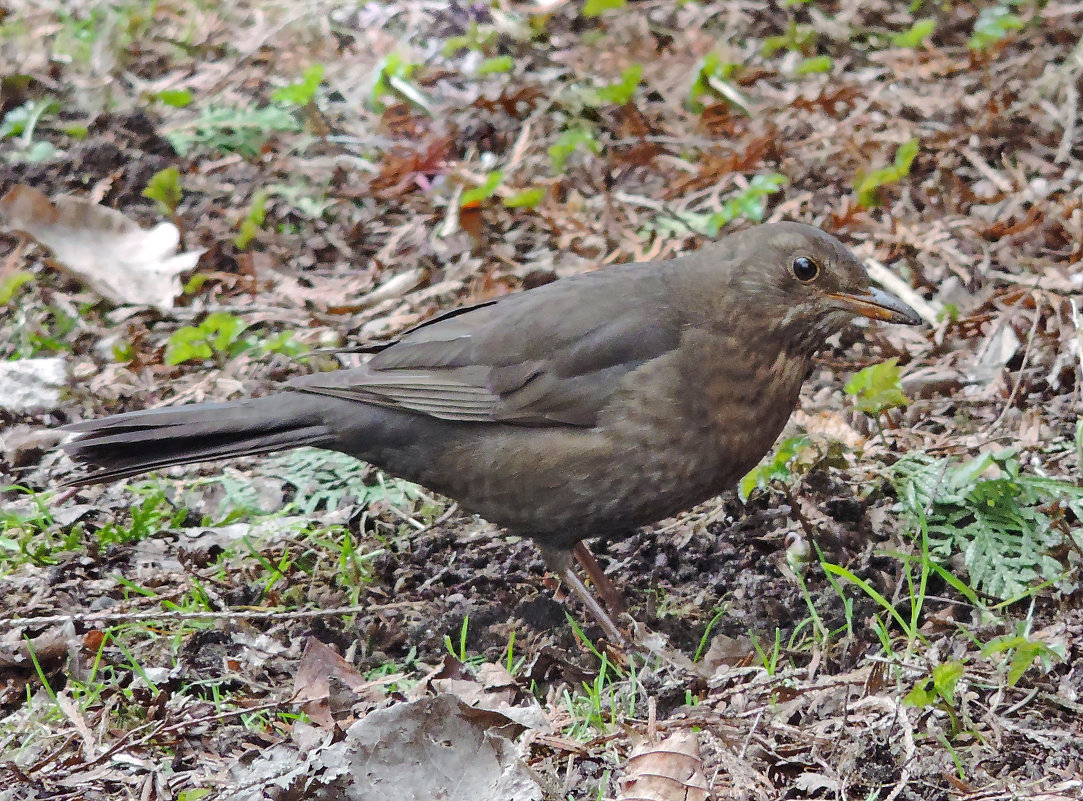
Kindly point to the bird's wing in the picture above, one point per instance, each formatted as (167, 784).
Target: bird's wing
(550, 356)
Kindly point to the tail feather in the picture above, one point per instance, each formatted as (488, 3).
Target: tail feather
(125, 445)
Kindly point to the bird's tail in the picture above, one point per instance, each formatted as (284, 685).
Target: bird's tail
(128, 444)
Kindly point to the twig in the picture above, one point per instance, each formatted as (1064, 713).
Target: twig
(1019, 373)
(232, 614)
(883, 276)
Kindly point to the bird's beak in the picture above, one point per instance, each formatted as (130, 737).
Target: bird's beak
(876, 304)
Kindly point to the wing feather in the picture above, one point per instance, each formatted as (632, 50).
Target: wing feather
(555, 355)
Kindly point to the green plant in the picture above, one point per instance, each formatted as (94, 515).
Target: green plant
(459, 654)
(595, 8)
(1007, 525)
(495, 65)
(325, 480)
(570, 140)
(528, 198)
(868, 184)
(1023, 651)
(302, 199)
(938, 690)
(714, 77)
(876, 389)
(993, 25)
(814, 65)
(601, 703)
(485, 191)
(43, 330)
(28, 532)
(769, 660)
(775, 466)
(145, 519)
(393, 78)
(253, 221)
(750, 202)
(795, 38)
(623, 90)
(705, 640)
(232, 129)
(478, 38)
(164, 189)
(916, 35)
(20, 124)
(11, 284)
(219, 335)
(177, 98)
(302, 92)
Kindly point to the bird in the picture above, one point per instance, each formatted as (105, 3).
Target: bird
(593, 405)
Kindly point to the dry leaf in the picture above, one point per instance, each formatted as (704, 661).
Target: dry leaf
(324, 681)
(671, 770)
(109, 252)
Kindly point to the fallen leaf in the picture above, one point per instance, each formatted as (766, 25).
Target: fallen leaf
(671, 770)
(101, 247)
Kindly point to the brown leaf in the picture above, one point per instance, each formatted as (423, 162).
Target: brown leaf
(671, 770)
(321, 674)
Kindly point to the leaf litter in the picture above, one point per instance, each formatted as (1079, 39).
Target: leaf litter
(363, 233)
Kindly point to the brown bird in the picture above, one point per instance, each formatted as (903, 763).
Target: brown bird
(592, 405)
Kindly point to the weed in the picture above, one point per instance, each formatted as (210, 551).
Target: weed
(705, 640)
(219, 336)
(796, 38)
(146, 518)
(1006, 524)
(232, 129)
(301, 93)
(11, 284)
(876, 389)
(769, 661)
(595, 8)
(528, 198)
(472, 197)
(938, 690)
(325, 480)
(916, 35)
(623, 90)
(993, 25)
(570, 140)
(610, 697)
(164, 189)
(715, 78)
(814, 65)
(177, 98)
(750, 202)
(478, 38)
(1022, 651)
(393, 78)
(868, 184)
(776, 467)
(28, 532)
(20, 124)
(253, 221)
(460, 652)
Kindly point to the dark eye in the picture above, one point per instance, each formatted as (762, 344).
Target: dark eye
(805, 269)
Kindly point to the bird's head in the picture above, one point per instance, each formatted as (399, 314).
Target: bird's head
(806, 285)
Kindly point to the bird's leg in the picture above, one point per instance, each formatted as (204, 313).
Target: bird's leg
(559, 561)
(605, 586)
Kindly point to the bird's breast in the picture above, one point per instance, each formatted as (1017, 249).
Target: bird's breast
(744, 392)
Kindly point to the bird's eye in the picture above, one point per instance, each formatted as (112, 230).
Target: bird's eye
(805, 269)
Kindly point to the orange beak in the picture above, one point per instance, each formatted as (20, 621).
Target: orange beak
(876, 304)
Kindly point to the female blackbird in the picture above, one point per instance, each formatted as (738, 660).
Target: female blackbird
(591, 405)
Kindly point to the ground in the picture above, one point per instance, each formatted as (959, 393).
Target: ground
(889, 609)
